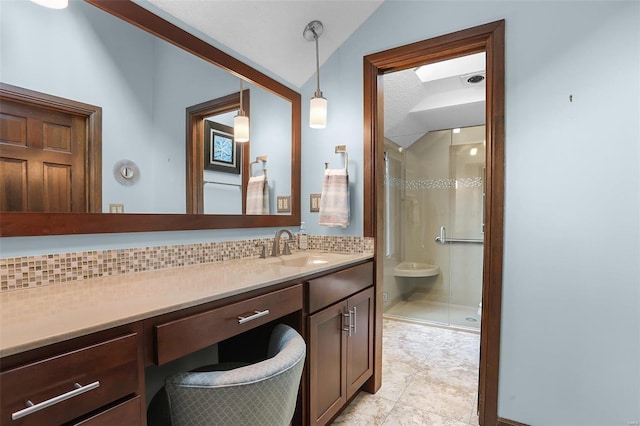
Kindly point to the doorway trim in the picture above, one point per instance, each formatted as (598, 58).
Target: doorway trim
(196, 115)
(490, 39)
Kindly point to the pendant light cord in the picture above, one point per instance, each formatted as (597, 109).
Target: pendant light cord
(241, 110)
(318, 92)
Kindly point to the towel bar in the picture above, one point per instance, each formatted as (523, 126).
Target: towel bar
(220, 183)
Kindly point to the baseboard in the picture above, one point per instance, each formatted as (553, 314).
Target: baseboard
(507, 422)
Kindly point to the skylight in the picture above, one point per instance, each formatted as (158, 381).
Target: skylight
(452, 67)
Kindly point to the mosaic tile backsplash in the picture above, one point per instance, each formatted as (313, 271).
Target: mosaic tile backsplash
(33, 271)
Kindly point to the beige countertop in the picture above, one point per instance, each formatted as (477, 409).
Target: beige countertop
(36, 317)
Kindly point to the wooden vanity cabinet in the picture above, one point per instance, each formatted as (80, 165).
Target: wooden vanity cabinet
(340, 339)
(188, 333)
(98, 379)
(90, 381)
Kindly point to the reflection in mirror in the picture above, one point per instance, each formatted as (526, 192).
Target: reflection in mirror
(215, 183)
(222, 179)
(143, 85)
(269, 139)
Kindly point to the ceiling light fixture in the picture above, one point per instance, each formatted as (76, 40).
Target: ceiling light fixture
(318, 105)
(241, 122)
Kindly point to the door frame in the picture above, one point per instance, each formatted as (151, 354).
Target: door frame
(490, 39)
(196, 115)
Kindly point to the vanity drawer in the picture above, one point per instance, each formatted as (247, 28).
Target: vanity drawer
(71, 384)
(180, 337)
(127, 413)
(327, 290)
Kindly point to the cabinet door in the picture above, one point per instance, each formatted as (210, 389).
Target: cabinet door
(360, 340)
(327, 363)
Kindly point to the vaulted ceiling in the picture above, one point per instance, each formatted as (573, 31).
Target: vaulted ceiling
(270, 34)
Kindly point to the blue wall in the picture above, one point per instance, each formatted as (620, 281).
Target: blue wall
(570, 352)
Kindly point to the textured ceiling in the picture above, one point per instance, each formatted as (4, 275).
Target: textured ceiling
(413, 108)
(269, 32)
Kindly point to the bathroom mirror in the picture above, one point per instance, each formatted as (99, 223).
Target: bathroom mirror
(165, 52)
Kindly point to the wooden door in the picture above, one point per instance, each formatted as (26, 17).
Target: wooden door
(50, 153)
(42, 160)
(360, 341)
(327, 363)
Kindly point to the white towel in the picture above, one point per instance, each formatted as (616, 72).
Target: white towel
(334, 201)
(258, 195)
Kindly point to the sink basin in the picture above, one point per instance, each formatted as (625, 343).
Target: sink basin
(415, 269)
(300, 260)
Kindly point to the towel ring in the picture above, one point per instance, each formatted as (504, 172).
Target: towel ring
(341, 149)
(260, 159)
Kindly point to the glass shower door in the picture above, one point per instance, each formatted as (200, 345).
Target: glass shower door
(465, 231)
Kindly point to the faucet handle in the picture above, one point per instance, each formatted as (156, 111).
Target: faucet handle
(263, 252)
(286, 250)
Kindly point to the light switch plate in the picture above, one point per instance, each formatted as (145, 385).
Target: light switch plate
(116, 208)
(284, 204)
(314, 202)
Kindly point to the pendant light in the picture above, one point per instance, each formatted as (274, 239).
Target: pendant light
(241, 123)
(318, 106)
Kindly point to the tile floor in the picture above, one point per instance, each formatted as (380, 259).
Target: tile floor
(429, 378)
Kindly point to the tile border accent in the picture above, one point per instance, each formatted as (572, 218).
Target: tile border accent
(34, 271)
(448, 183)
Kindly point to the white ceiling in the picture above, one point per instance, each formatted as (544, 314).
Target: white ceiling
(413, 108)
(270, 33)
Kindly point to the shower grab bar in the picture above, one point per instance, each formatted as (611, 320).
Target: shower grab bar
(442, 238)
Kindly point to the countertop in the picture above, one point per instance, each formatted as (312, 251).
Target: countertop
(37, 317)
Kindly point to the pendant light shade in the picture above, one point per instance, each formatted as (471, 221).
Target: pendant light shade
(318, 105)
(241, 122)
(318, 112)
(52, 4)
(241, 128)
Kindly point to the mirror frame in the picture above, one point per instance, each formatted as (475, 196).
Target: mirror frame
(14, 224)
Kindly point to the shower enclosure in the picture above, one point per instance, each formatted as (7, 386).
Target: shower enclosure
(434, 192)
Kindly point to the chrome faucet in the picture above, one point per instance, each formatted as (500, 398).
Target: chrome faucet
(275, 250)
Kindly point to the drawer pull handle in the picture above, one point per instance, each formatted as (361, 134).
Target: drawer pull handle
(350, 325)
(256, 315)
(355, 319)
(32, 408)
